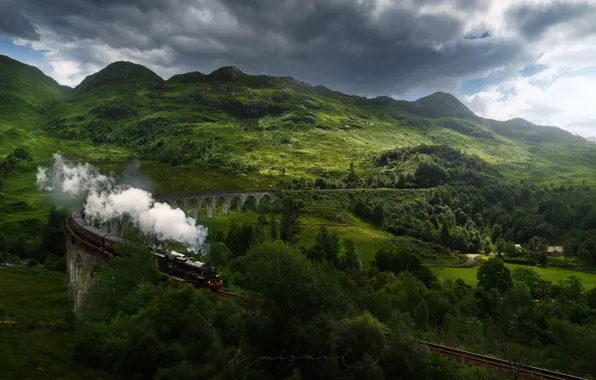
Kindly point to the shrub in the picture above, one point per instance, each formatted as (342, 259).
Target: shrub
(32, 263)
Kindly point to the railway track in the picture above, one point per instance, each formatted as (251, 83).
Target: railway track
(523, 371)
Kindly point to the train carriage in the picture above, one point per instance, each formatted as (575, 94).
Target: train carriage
(172, 263)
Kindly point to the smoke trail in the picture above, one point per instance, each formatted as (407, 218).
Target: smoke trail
(107, 200)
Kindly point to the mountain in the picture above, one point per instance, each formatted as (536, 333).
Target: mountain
(270, 126)
(441, 104)
(521, 129)
(120, 74)
(591, 138)
(24, 91)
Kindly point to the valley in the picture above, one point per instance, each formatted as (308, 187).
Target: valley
(380, 202)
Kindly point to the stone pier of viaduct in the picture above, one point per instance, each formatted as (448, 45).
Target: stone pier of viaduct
(86, 256)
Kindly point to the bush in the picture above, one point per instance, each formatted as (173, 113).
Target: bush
(32, 263)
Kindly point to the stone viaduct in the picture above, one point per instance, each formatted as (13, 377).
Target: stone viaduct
(86, 253)
(210, 200)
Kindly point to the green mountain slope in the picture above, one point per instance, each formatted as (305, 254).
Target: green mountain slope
(262, 125)
(25, 95)
(123, 75)
(24, 91)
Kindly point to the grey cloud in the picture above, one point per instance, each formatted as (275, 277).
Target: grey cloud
(13, 21)
(341, 44)
(534, 20)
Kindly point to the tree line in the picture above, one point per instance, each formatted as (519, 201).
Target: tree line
(319, 301)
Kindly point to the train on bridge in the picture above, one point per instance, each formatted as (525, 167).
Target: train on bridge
(171, 263)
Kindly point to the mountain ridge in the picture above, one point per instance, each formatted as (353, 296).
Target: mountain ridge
(279, 126)
(432, 105)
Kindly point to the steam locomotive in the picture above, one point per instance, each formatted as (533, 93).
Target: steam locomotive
(172, 263)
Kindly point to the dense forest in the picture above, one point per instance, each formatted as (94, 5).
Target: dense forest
(320, 303)
(318, 312)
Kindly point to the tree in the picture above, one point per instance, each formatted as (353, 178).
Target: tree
(509, 249)
(487, 246)
(290, 225)
(350, 260)
(218, 254)
(497, 232)
(109, 293)
(18, 246)
(499, 246)
(320, 183)
(445, 235)
(543, 259)
(273, 228)
(22, 154)
(392, 260)
(538, 287)
(494, 275)
(219, 237)
(327, 245)
(421, 315)
(363, 337)
(568, 248)
(586, 257)
(1, 184)
(54, 232)
(3, 242)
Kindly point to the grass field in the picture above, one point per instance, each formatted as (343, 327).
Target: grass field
(368, 239)
(468, 274)
(32, 348)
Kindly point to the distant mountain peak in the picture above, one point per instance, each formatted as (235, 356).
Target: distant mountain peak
(120, 72)
(521, 122)
(443, 104)
(226, 73)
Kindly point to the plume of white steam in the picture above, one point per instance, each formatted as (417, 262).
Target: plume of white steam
(107, 200)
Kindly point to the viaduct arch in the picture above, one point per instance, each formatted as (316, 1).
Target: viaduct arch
(85, 256)
(210, 200)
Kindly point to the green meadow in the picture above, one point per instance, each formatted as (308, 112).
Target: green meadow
(37, 345)
(468, 274)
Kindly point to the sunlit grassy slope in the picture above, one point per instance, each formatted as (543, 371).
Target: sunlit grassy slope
(367, 238)
(263, 125)
(468, 274)
(228, 130)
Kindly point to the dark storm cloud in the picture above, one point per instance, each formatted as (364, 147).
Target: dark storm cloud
(13, 22)
(345, 45)
(533, 20)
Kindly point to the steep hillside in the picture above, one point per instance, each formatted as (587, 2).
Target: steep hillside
(520, 129)
(278, 126)
(24, 91)
(25, 96)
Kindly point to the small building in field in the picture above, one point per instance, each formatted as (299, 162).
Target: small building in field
(555, 250)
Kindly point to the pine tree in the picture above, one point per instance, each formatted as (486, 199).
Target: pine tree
(273, 228)
(421, 316)
(290, 226)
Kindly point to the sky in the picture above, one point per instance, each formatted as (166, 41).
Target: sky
(533, 59)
